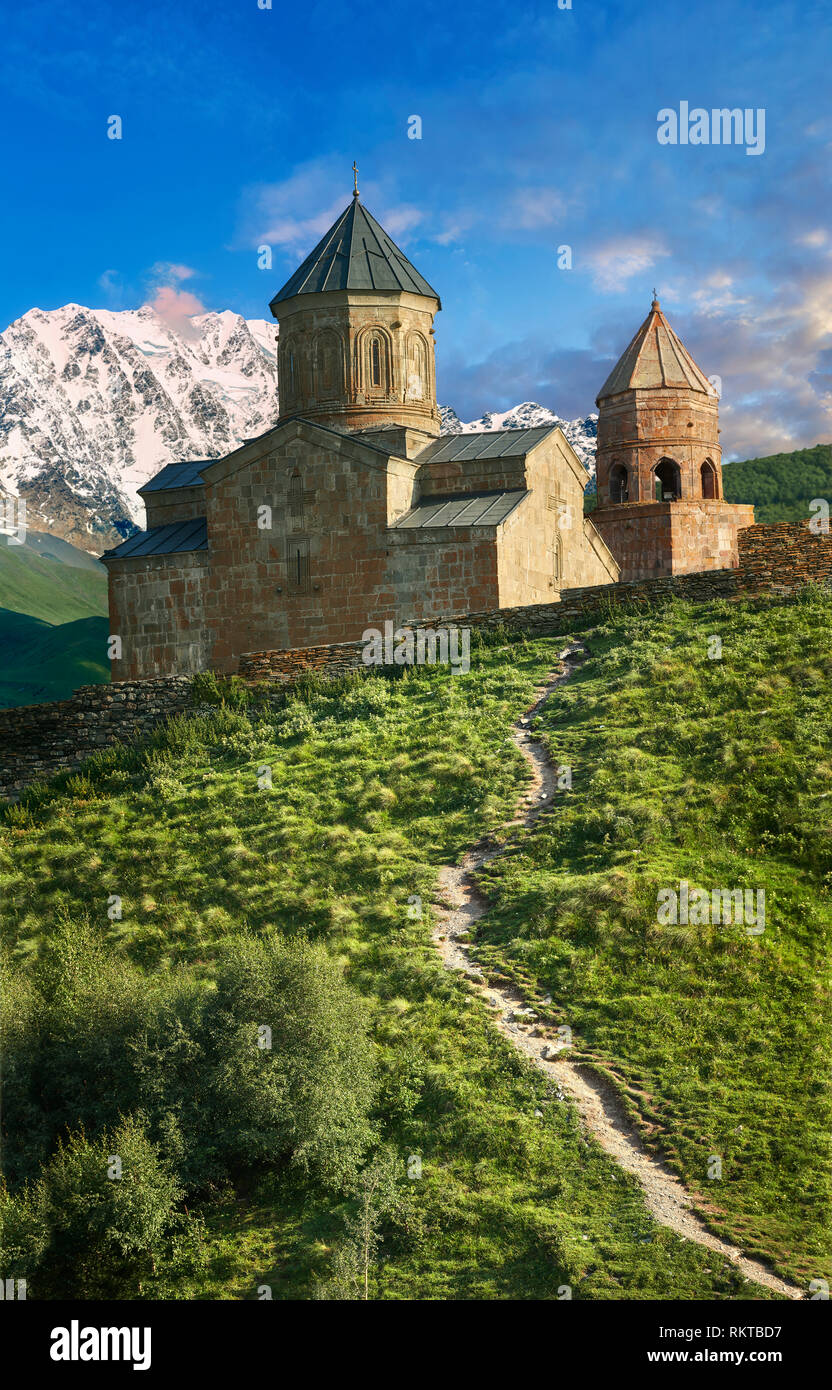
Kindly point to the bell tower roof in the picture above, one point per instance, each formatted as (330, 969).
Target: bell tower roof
(656, 357)
(355, 254)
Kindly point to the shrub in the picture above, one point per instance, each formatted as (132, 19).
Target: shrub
(307, 1095)
(90, 1038)
(84, 1232)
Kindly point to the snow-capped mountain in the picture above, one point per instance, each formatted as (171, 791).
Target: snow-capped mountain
(94, 402)
(581, 434)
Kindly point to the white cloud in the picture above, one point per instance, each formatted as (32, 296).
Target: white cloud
(529, 208)
(616, 262)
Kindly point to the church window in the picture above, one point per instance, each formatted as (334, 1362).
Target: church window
(619, 483)
(708, 474)
(417, 368)
(296, 500)
(297, 565)
(375, 362)
(668, 480)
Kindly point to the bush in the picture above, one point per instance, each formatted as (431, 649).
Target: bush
(307, 1095)
(84, 1232)
(90, 1039)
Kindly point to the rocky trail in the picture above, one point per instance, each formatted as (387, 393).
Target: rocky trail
(460, 906)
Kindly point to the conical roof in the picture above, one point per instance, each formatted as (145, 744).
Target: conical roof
(656, 357)
(355, 254)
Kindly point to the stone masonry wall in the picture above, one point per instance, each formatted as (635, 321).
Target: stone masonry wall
(682, 537)
(777, 559)
(40, 740)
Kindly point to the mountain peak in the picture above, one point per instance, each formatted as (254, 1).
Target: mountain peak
(94, 402)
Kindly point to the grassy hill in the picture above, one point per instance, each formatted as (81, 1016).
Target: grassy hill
(53, 624)
(781, 486)
(296, 904)
(51, 582)
(45, 662)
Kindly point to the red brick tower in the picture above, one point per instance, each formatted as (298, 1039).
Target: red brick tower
(659, 462)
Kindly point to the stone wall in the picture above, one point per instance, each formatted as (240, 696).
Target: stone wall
(40, 740)
(157, 608)
(783, 556)
(537, 619)
(776, 559)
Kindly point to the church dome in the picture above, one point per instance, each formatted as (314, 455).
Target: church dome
(655, 358)
(355, 254)
(356, 344)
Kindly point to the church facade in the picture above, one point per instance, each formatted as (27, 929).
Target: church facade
(353, 511)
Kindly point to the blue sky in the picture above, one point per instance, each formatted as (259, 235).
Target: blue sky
(539, 130)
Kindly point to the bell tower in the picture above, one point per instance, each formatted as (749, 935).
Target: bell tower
(356, 343)
(659, 462)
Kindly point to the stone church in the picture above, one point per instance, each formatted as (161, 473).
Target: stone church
(352, 510)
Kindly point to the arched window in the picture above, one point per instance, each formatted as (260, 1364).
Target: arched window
(557, 571)
(668, 480)
(619, 483)
(375, 362)
(708, 474)
(417, 368)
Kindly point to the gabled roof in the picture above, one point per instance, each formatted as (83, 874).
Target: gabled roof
(163, 540)
(468, 509)
(355, 254)
(485, 444)
(656, 357)
(177, 475)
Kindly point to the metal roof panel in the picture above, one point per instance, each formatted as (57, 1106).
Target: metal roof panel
(355, 254)
(462, 509)
(173, 475)
(452, 448)
(163, 540)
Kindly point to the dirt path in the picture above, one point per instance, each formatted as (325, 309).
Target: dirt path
(460, 906)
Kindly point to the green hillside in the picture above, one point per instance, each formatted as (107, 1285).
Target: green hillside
(34, 580)
(42, 662)
(53, 624)
(781, 486)
(298, 901)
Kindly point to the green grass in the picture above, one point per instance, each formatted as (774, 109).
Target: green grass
(42, 662)
(717, 772)
(374, 784)
(35, 583)
(53, 624)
